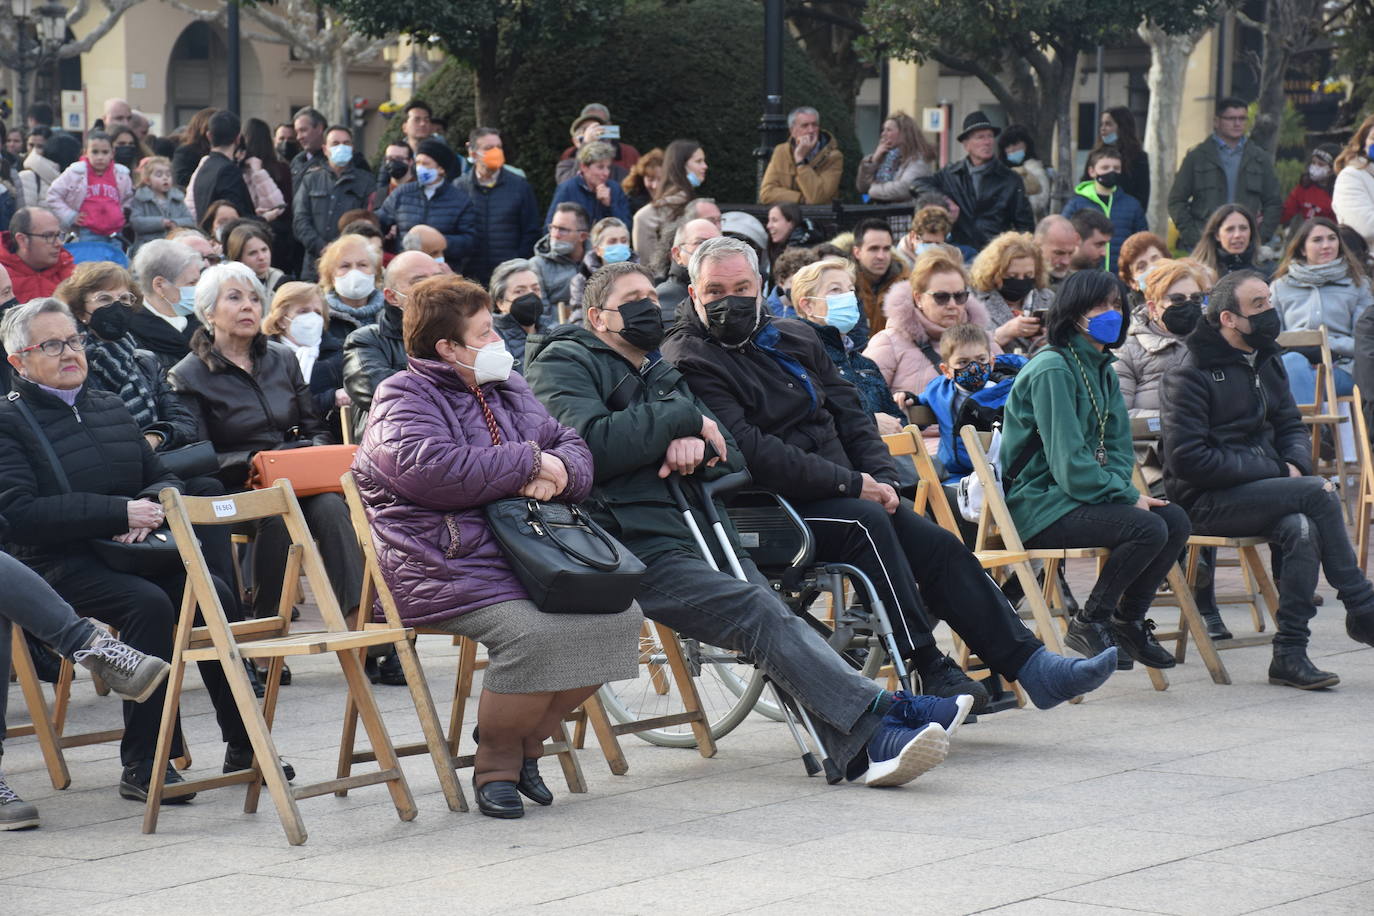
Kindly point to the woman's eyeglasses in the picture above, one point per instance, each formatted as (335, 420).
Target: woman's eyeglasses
(100, 301)
(1198, 299)
(943, 298)
(55, 347)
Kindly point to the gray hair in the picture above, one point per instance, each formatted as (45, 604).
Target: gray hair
(411, 240)
(213, 280)
(162, 258)
(595, 152)
(14, 330)
(604, 225)
(500, 277)
(798, 112)
(719, 249)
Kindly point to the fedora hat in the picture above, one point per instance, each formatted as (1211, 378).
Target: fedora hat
(976, 120)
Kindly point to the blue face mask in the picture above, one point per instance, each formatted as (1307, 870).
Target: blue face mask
(1017, 157)
(694, 179)
(614, 254)
(341, 155)
(973, 377)
(187, 303)
(842, 311)
(426, 175)
(1110, 139)
(1105, 328)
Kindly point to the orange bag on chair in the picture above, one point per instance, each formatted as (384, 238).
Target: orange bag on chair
(311, 470)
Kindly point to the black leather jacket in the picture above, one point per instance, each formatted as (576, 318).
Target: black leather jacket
(1226, 423)
(371, 355)
(242, 414)
(1000, 204)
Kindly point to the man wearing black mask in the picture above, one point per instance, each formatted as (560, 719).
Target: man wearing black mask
(393, 172)
(1238, 458)
(803, 432)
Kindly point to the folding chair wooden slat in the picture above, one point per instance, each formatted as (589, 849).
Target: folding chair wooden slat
(1324, 413)
(1364, 501)
(303, 558)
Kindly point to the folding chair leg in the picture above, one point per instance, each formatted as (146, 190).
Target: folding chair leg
(1254, 565)
(1040, 610)
(348, 740)
(42, 720)
(691, 700)
(376, 734)
(429, 724)
(595, 713)
(1189, 612)
(567, 759)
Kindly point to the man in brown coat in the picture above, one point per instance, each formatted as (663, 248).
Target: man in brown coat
(806, 169)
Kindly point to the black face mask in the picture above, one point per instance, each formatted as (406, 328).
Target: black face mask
(1264, 329)
(109, 323)
(288, 149)
(643, 321)
(397, 168)
(527, 309)
(8, 304)
(731, 320)
(1014, 289)
(126, 156)
(1109, 180)
(1181, 319)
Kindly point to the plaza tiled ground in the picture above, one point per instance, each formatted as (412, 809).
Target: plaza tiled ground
(1203, 799)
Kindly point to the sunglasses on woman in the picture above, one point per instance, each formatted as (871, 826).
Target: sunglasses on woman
(943, 298)
(1198, 299)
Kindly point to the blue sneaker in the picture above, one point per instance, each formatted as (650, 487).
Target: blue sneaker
(897, 754)
(915, 710)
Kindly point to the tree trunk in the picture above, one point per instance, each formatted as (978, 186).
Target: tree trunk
(1065, 69)
(490, 81)
(1168, 66)
(330, 95)
(1273, 66)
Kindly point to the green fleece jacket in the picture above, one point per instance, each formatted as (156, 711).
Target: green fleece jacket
(1062, 473)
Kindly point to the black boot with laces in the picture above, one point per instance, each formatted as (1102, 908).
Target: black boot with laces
(1137, 639)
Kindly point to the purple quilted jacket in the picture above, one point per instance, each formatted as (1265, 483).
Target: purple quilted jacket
(427, 466)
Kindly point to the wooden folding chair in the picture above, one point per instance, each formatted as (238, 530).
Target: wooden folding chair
(227, 643)
(346, 424)
(48, 723)
(1364, 502)
(1324, 412)
(996, 522)
(442, 749)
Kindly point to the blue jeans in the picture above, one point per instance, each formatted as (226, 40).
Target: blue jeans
(1143, 544)
(1302, 379)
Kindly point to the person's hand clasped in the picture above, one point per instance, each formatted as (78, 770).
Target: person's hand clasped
(1147, 502)
(143, 513)
(683, 456)
(880, 493)
(887, 424)
(341, 398)
(134, 536)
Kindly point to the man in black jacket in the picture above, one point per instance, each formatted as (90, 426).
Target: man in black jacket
(1238, 458)
(804, 433)
(325, 194)
(375, 352)
(508, 217)
(985, 196)
(219, 176)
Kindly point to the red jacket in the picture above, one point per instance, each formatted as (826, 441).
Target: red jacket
(30, 283)
(1307, 201)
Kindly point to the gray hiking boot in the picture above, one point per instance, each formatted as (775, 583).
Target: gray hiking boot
(129, 672)
(15, 813)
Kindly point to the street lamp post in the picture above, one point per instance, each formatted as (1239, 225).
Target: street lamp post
(772, 126)
(48, 21)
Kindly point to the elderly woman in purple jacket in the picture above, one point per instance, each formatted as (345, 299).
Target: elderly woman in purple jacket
(454, 432)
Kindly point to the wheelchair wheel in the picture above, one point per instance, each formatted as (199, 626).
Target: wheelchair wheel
(728, 687)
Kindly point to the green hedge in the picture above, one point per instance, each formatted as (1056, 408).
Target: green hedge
(690, 70)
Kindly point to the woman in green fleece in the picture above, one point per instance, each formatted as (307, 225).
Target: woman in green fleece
(1067, 455)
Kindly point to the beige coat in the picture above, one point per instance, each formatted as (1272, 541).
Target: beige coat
(814, 182)
(648, 224)
(1141, 365)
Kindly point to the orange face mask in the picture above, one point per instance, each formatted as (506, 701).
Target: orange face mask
(494, 158)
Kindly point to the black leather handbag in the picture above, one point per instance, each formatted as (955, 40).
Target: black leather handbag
(154, 555)
(195, 460)
(566, 561)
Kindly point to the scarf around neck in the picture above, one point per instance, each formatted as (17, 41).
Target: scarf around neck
(114, 368)
(363, 314)
(1304, 274)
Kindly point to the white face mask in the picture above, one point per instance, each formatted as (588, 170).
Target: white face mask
(307, 329)
(493, 362)
(355, 285)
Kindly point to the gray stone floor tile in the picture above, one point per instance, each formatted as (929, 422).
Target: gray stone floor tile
(1353, 899)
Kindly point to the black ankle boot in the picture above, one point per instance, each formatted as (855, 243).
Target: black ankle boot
(1137, 639)
(1295, 669)
(1090, 638)
(531, 784)
(498, 798)
(1360, 627)
(1216, 627)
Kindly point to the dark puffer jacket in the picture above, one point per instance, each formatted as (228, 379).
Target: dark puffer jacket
(507, 222)
(515, 336)
(859, 371)
(449, 210)
(427, 467)
(1227, 423)
(371, 355)
(321, 197)
(805, 448)
(107, 463)
(242, 414)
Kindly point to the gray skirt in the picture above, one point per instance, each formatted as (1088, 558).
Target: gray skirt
(533, 652)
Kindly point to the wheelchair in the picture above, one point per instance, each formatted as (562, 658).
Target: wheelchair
(780, 544)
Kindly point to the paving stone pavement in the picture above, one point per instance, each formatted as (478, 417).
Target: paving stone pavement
(1200, 800)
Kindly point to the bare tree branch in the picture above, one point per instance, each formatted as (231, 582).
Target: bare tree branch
(114, 9)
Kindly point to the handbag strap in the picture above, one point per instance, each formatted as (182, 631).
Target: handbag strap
(58, 471)
(536, 508)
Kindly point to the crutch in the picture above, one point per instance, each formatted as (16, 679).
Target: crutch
(731, 481)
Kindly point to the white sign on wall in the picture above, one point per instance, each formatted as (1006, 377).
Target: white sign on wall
(933, 120)
(74, 109)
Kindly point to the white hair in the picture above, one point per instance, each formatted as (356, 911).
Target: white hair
(798, 112)
(212, 281)
(719, 249)
(14, 330)
(500, 277)
(162, 258)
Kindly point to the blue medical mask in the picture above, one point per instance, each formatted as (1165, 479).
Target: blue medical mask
(1105, 328)
(340, 155)
(1110, 139)
(694, 179)
(614, 254)
(1017, 157)
(842, 311)
(426, 175)
(973, 377)
(186, 305)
